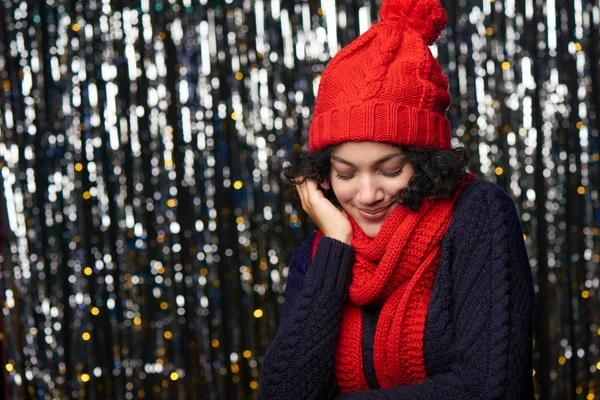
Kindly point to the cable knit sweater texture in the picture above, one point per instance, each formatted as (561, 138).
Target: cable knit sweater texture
(478, 331)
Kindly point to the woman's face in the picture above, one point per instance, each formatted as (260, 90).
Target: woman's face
(365, 177)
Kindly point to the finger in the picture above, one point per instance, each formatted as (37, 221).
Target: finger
(306, 196)
(312, 189)
(297, 183)
(312, 185)
(302, 193)
(300, 180)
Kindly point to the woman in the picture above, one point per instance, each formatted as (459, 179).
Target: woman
(417, 284)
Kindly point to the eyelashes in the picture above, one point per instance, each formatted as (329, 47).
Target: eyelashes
(386, 174)
(392, 174)
(344, 177)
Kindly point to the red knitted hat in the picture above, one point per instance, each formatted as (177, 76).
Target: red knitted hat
(386, 86)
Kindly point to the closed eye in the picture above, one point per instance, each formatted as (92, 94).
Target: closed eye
(345, 177)
(387, 174)
(392, 174)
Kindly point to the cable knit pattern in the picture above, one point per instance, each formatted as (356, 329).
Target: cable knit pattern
(477, 340)
(313, 318)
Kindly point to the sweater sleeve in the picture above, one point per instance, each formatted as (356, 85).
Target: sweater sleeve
(491, 312)
(299, 363)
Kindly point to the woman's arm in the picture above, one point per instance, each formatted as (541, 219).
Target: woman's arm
(492, 312)
(299, 363)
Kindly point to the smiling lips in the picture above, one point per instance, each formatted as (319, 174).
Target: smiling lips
(373, 215)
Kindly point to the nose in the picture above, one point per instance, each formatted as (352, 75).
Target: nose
(369, 191)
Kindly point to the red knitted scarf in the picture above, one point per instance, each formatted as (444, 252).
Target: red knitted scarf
(396, 269)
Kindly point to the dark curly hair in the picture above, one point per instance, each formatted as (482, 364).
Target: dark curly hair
(438, 173)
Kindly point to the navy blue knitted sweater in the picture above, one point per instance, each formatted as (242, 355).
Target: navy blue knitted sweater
(478, 331)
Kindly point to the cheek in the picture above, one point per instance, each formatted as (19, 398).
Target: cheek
(343, 191)
(394, 186)
(404, 178)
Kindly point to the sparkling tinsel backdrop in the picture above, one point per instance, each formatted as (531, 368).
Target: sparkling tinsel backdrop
(145, 223)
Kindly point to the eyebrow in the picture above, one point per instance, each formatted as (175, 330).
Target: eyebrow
(380, 161)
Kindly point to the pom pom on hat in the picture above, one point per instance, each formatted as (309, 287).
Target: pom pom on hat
(427, 17)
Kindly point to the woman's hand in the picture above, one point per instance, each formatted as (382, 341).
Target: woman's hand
(331, 221)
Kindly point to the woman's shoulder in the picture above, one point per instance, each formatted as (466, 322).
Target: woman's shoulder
(482, 203)
(485, 232)
(479, 198)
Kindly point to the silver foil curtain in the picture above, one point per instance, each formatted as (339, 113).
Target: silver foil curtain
(146, 227)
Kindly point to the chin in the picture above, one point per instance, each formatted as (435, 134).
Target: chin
(371, 230)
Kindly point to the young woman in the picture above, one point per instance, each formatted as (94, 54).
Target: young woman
(417, 284)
